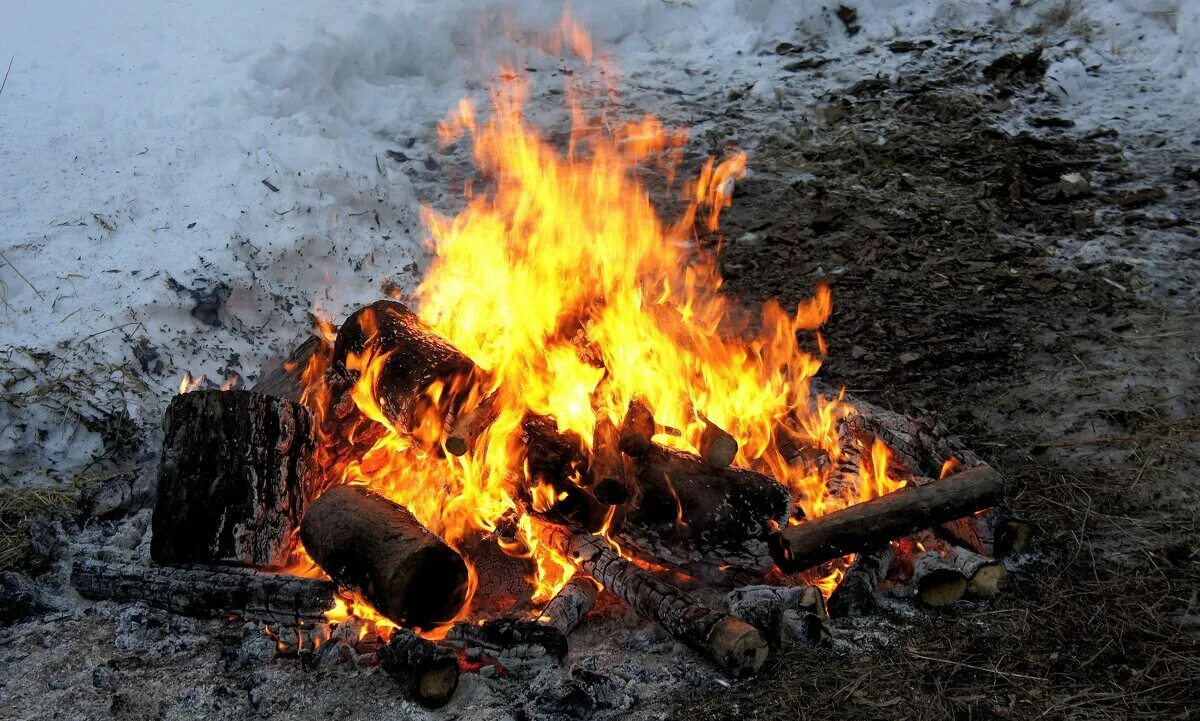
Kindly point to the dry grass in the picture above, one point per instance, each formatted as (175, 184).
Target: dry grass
(17, 508)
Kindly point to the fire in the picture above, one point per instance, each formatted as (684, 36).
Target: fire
(562, 280)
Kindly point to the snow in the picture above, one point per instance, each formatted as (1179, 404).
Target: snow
(135, 136)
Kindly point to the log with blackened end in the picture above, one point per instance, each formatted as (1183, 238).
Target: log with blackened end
(711, 506)
(937, 582)
(638, 428)
(730, 642)
(612, 480)
(427, 672)
(871, 523)
(717, 447)
(568, 607)
(986, 577)
(234, 480)
(771, 608)
(377, 548)
(855, 594)
(418, 378)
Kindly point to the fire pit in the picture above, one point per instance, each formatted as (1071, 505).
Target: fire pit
(573, 414)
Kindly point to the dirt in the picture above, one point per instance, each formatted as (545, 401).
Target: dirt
(1030, 283)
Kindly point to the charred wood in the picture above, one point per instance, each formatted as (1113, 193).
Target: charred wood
(285, 380)
(426, 671)
(771, 608)
(233, 480)
(377, 548)
(510, 636)
(201, 591)
(470, 424)
(937, 582)
(869, 524)
(637, 428)
(731, 643)
(855, 594)
(573, 601)
(717, 447)
(612, 482)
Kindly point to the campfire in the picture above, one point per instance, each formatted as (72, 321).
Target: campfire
(568, 408)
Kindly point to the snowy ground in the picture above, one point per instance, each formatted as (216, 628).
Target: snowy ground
(140, 240)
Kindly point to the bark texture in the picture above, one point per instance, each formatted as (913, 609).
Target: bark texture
(233, 482)
(568, 607)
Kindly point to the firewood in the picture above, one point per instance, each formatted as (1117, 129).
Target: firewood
(986, 577)
(717, 447)
(507, 635)
(378, 548)
(764, 607)
(469, 425)
(802, 628)
(412, 360)
(855, 594)
(427, 672)
(637, 428)
(1010, 535)
(869, 524)
(711, 506)
(612, 482)
(108, 574)
(731, 643)
(284, 380)
(938, 583)
(233, 482)
(568, 607)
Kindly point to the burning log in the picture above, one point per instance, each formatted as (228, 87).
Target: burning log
(780, 612)
(938, 583)
(427, 672)
(731, 643)
(986, 577)
(233, 480)
(855, 595)
(612, 483)
(379, 549)
(869, 524)
(717, 448)
(285, 380)
(714, 506)
(513, 637)
(637, 428)
(201, 591)
(469, 425)
(568, 607)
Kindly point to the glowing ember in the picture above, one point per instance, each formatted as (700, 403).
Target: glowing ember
(563, 282)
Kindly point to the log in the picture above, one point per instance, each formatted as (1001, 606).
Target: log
(798, 628)
(233, 482)
(764, 608)
(869, 524)
(285, 379)
(712, 506)
(202, 591)
(377, 548)
(731, 643)
(855, 594)
(637, 428)
(612, 481)
(426, 671)
(412, 360)
(717, 448)
(937, 582)
(986, 577)
(573, 601)
(508, 636)
(469, 426)
(1011, 536)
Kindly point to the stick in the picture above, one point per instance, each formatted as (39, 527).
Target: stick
(731, 643)
(867, 525)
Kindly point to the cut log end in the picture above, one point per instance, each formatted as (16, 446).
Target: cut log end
(637, 428)
(717, 447)
(427, 672)
(938, 583)
(988, 581)
(737, 647)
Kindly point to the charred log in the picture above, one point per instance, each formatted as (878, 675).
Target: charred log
(285, 380)
(771, 608)
(201, 591)
(986, 577)
(377, 548)
(717, 447)
(233, 480)
(682, 494)
(637, 428)
(469, 426)
(427, 672)
(855, 594)
(937, 582)
(869, 524)
(509, 636)
(573, 601)
(731, 643)
(612, 482)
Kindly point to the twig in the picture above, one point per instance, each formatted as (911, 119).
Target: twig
(16, 270)
(6, 72)
(976, 668)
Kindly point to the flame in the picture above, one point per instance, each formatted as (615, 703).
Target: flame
(187, 384)
(564, 283)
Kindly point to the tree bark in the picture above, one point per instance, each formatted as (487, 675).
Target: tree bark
(234, 479)
(855, 594)
(202, 591)
(731, 643)
(938, 583)
(427, 672)
(568, 607)
(869, 524)
(377, 548)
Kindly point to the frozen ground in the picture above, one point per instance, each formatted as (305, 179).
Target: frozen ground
(140, 242)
